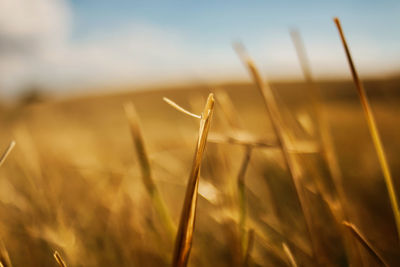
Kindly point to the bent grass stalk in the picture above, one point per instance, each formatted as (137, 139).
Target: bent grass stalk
(147, 177)
(184, 237)
(373, 129)
(283, 140)
(59, 260)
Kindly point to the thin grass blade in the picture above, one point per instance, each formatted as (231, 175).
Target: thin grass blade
(373, 130)
(365, 243)
(283, 140)
(7, 152)
(147, 177)
(59, 259)
(289, 254)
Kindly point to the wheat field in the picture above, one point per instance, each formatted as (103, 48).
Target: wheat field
(73, 182)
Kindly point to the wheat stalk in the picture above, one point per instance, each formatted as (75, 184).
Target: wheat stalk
(289, 255)
(59, 260)
(247, 142)
(4, 257)
(242, 196)
(327, 148)
(145, 168)
(373, 129)
(184, 237)
(228, 110)
(249, 248)
(7, 152)
(363, 241)
(324, 135)
(283, 139)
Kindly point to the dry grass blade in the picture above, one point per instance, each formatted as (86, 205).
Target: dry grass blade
(249, 248)
(373, 130)
(248, 142)
(4, 257)
(183, 242)
(7, 152)
(228, 109)
(301, 54)
(242, 195)
(181, 109)
(289, 254)
(59, 260)
(283, 138)
(324, 136)
(366, 244)
(327, 148)
(145, 168)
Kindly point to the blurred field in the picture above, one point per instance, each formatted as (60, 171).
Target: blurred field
(72, 183)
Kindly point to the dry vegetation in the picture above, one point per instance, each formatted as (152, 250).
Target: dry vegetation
(288, 177)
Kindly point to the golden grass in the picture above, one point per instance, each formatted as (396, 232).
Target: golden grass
(289, 255)
(72, 184)
(145, 168)
(249, 248)
(6, 152)
(246, 142)
(58, 259)
(242, 198)
(184, 237)
(283, 140)
(373, 129)
(365, 243)
(337, 204)
(4, 257)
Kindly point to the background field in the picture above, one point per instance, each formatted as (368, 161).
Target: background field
(73, 183)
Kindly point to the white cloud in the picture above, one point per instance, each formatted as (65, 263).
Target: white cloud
(28, 30)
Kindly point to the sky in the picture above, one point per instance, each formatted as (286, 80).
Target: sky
(86, 45)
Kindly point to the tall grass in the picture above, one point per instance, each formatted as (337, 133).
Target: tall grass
(145, 168)
(5, 154)
(337, 204)
(373, 129)
(4, 257)
(242, 198)
(365, 243)
(289, 255)
(80, 193)
(284, 142)
(58, 259)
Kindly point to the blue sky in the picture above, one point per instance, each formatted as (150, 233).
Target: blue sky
(226, 19)
(89, 44)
